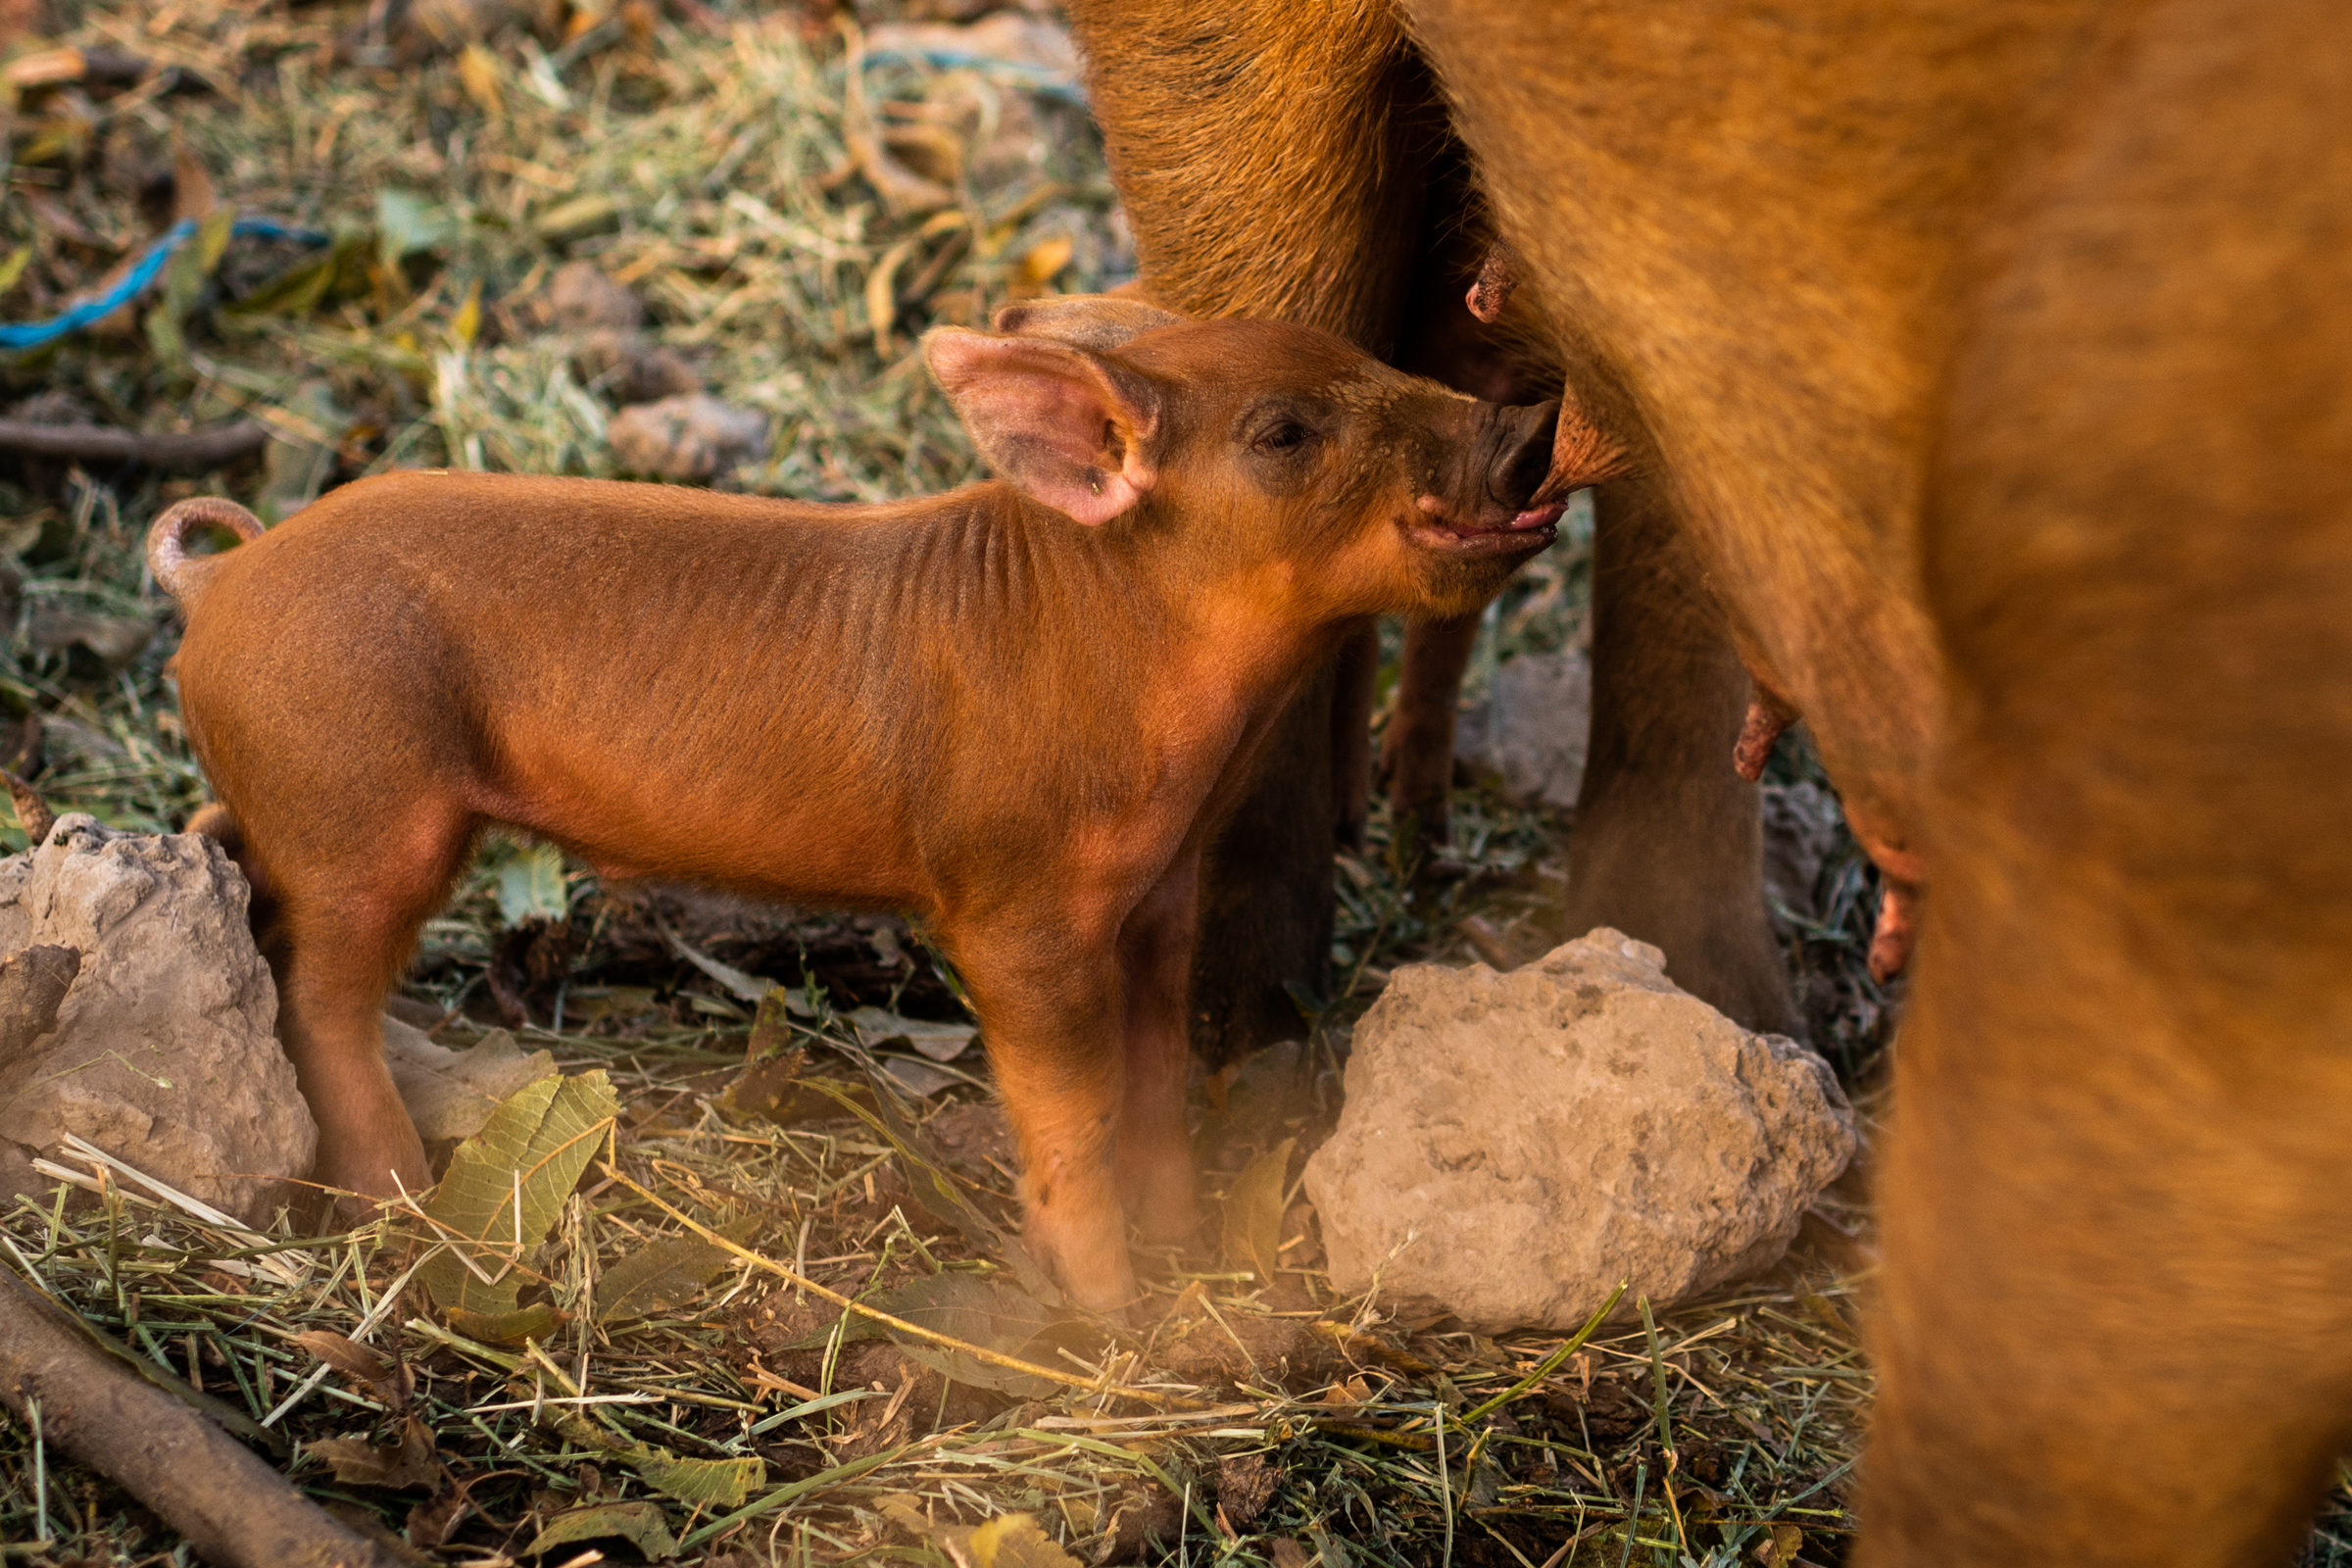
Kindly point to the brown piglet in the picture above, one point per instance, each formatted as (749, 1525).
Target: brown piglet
(1014, 711)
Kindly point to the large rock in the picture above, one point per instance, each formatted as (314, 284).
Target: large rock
(1513, 1144)
(1532, 730)
(162, 1052)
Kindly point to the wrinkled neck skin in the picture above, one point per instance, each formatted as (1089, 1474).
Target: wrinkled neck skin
(1161, 582)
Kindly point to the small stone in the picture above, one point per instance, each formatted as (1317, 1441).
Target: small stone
(162, 1052)
(1531, 732)
(1513, 1144)
(632, 367)
(695, 437)
(582, 298)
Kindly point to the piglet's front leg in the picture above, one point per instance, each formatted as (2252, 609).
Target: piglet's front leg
(1155, 968)
(1050, 1020)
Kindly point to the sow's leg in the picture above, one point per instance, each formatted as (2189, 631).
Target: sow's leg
(1336, 199)
(1668, 841)
(1320, 120)
(2118, 1303)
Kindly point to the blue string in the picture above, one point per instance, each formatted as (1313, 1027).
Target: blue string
(32, 334)
(1039, 79)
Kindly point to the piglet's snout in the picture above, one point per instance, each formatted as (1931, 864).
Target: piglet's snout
(1522, 458)
(1500, 462)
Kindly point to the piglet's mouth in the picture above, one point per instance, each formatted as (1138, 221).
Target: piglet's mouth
(1525, 532)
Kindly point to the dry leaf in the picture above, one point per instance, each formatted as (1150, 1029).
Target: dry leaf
(191, 187)
(657, 1278)
(881, 300)
(703, 1483)
(407, 1462)
(638, 1523)
(507, 1184)
(1253, 1211)
(389, 1384)
(941, 1042)
(1010, 1540)
(478, 73)
(452, 1094)
(467, 323)
(1044, 260)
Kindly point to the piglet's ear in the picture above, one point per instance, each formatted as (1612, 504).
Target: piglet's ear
(1071, 428)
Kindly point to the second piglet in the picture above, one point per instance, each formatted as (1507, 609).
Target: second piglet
(1014, 711)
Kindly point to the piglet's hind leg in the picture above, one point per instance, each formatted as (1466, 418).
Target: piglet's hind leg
(343, 932)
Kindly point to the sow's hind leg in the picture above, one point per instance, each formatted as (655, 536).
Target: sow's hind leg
(1668, 843)
(2118, 1288)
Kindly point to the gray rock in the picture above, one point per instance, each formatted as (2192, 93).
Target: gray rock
(581, 297)
(1801, 831)
(696, 437)
(1513, 1144)
(1530, 731)
(161, 1052)
(633, 368)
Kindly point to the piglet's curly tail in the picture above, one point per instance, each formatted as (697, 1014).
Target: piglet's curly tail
(181, 573)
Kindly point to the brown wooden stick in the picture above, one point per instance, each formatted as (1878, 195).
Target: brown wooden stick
(231, 1507)
(193, 449)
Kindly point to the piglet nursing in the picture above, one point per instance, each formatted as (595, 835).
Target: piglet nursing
(1016, 711)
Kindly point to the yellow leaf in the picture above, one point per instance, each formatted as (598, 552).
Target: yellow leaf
(881, 300)
(1253, 1211)
(13, 267)
(640, 1523)
(212, 240)
(468, 319)
(1046, 259)
(505, 1185)
(478, 73)
(1015, 1541)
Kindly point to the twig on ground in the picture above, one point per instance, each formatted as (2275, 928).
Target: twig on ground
(233, 1508)
(193, 452)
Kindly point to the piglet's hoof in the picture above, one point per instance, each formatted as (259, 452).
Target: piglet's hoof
(367, 1184)
(1097, 1280)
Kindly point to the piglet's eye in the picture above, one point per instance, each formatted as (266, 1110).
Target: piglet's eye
(1282, 437)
